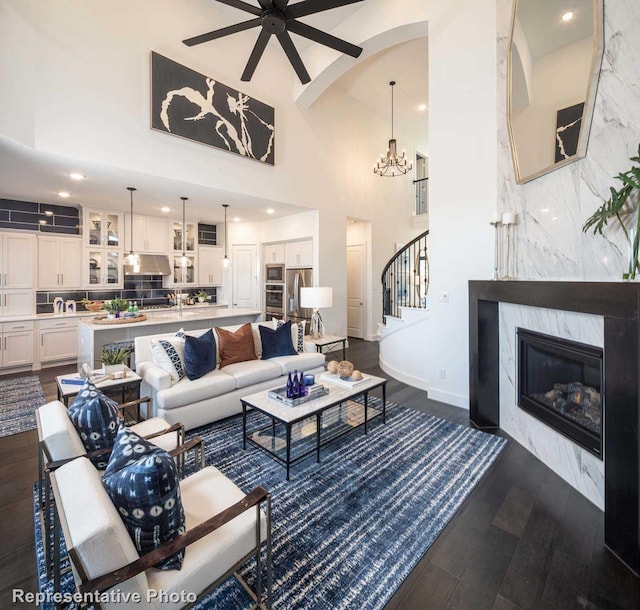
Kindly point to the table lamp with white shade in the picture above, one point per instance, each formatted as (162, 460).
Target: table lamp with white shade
(316, 297)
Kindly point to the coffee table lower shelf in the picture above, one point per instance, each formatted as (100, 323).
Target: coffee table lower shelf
(339, 399)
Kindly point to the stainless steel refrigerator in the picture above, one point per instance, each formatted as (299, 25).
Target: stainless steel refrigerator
(295, 280)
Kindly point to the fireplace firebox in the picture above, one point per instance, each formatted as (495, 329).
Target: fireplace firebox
(560, 383)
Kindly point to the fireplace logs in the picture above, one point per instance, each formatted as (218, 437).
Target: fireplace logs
(576, 401)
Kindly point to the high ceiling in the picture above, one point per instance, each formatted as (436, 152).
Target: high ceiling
(37, 176)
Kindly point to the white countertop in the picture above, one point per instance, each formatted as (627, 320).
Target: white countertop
(169, 316)
(89, 314)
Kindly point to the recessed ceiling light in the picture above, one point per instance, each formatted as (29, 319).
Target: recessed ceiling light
(48, 212)
(64, 194)
(76, 176)
(165, 209)
(236, 219)
(568, 16)
(270, 211)
(422, 107)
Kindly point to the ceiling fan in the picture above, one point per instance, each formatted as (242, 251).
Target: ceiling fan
(276, 18)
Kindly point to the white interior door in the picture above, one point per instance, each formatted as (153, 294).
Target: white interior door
(245, 276)
(355, 290)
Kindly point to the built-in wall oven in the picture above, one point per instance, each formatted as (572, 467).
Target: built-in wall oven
(274, 301)
(274, 273)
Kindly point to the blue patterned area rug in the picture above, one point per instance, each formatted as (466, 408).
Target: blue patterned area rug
(347, 531)
(19, 399)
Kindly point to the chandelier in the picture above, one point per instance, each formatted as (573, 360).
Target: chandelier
(391, 165)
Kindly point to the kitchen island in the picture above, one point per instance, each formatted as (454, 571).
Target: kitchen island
(92, 336)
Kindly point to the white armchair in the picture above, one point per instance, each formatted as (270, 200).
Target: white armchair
(225, 528)
(59, 442)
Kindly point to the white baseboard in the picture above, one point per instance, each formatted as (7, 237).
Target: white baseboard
(457, 400)
(412, 380)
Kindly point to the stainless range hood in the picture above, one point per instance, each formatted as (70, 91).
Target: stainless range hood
(150, 264)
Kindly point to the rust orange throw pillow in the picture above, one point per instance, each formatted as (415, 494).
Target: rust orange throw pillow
(235, 346)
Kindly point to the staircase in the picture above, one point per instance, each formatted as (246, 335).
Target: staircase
(405, 282)
(405, 278)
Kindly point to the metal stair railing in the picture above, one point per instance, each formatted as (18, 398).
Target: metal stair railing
(405, 278)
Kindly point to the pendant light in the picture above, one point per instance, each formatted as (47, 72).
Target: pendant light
(225, 261)
(392, 164)
(184, 259)
(132, 259)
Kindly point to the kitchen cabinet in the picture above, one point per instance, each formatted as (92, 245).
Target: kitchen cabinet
(17, 302)
(103, 229)
(210, 265)
(59, 262)
(150, 234)
(274, 253)
(17, 260)
(58, 339)
(299, 253)
(16, 344)
(103, 268)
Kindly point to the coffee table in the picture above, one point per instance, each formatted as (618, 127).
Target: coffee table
(281, 415)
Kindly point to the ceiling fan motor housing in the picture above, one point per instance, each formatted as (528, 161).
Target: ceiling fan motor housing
(273, 22)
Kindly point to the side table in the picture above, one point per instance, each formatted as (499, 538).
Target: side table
(68, 386)
(328, 341)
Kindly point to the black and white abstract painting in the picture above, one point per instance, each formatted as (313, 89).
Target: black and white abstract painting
(568, 124)
(197, 107)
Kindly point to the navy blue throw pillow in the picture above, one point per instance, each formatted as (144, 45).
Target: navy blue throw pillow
(142, 481)
(96, 419)
(200, 355)
(277, 342)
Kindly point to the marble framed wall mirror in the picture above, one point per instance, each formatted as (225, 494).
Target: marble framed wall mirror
(554, 61)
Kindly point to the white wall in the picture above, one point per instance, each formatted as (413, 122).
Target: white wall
(462, 182)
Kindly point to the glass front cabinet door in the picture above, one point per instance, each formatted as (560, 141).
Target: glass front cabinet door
(104, 268)
(103, 229)
(183, 276)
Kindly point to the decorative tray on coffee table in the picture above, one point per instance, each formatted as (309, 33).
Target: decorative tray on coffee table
(315, 391)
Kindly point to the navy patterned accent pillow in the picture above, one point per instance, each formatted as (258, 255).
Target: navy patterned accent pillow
(142, 481)
(297, 332)
(96, 418)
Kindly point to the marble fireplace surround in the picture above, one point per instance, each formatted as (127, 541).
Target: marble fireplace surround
(619, 305)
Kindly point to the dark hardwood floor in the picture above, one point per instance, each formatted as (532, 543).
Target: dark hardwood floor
(523, 539)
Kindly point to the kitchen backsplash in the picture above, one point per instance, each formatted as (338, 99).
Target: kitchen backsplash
(145, 289)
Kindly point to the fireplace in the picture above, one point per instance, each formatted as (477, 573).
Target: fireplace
(560, 383)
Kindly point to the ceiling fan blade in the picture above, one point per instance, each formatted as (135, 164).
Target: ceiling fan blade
(280, 5)
(243, 6)
(294, 57)
(309, 7)
(256, 54)
(266, 5)
(232, 29)
(302, 29)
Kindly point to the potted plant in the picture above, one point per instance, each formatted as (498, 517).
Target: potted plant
(623, 206)
(202, 296)
(113, 360)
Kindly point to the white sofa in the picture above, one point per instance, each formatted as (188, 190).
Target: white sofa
(217, 394)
